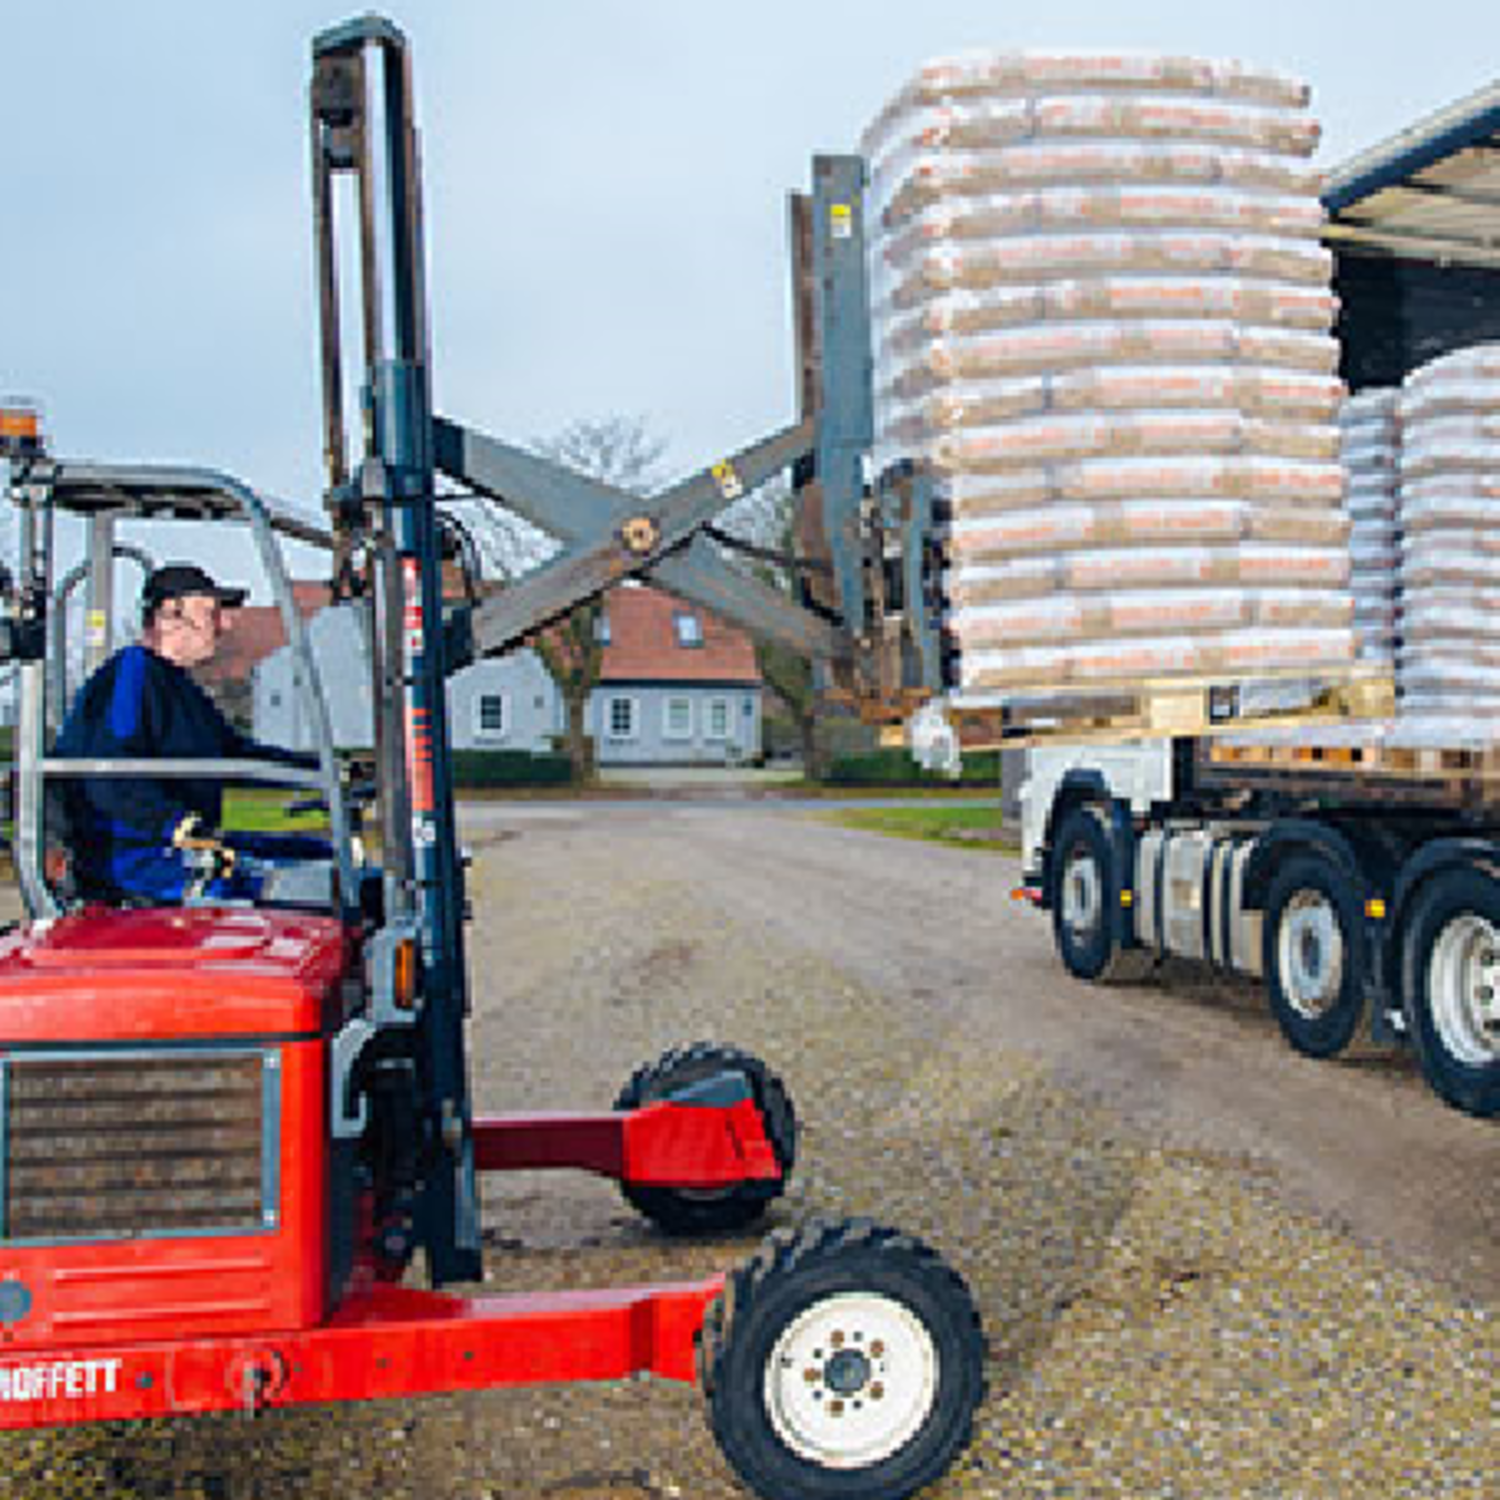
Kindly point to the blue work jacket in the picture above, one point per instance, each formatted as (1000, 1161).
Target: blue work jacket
(139, 705)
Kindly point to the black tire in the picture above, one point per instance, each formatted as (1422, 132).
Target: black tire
(688, 1211)
(1313, 952)
(1084, 891)
(845, 1361)
(1455, 1024)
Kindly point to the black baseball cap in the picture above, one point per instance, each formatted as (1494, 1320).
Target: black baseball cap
(181, 580)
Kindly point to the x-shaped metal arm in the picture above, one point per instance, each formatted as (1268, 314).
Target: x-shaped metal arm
(609, 535)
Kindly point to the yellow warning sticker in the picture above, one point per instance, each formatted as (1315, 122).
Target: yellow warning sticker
(729, 483)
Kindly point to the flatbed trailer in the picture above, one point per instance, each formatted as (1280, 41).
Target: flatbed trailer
(1354, 871)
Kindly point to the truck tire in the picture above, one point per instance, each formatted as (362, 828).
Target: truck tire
(1313, 954)
(844, 1362)
(1452, 975)
(712, 1210)
(1085, 886)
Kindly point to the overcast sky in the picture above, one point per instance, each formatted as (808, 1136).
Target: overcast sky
(604, 190)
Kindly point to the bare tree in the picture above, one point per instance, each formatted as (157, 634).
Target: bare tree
(624, 452)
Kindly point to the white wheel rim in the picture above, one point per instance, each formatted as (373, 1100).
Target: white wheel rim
(1463, 989)
(851, 1380)
(1310, 953)
(1082, 893)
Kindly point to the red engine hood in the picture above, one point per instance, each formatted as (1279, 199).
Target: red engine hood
(152, 974)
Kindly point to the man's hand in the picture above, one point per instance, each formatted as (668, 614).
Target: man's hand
(206, 853)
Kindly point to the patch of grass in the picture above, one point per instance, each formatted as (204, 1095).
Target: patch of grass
(264, 810)
(971, 827)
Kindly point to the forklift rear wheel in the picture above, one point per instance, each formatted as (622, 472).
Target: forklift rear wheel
(1312, 956)
(845, 1360)
(1453, 989)
(712, 1210)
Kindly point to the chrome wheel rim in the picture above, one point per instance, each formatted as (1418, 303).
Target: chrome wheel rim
(1082, 893)
(1463, 989)
(1310, 954)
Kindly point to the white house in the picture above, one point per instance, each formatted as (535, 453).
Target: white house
(503, 703)
(677, 687)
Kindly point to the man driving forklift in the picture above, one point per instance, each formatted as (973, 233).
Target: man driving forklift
(158, 840)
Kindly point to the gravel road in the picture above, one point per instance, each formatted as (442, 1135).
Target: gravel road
(1208, 1268)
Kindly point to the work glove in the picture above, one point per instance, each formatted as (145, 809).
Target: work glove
(205, 853)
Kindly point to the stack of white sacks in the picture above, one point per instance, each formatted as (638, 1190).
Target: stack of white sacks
(1370, 437)
(1448, 672)
(1103, 313)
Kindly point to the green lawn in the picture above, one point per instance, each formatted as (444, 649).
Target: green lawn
(970, 827)
(264, 810)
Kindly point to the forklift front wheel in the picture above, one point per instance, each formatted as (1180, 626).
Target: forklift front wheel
(845, 1360)
(689, 1211)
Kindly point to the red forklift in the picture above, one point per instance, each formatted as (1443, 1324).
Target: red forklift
(234, 1137)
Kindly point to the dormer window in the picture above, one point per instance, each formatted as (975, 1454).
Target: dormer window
(689, 630)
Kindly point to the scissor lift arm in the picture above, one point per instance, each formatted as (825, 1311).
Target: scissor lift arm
(609, 534)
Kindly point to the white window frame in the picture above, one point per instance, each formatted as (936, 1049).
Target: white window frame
(688, 629)
(477, 725)
(633, 709)
(668, 732)
(709, 709)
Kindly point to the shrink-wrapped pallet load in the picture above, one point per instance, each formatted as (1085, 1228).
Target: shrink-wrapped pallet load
(1370, 440)
(1102, 315)
(1449, 664)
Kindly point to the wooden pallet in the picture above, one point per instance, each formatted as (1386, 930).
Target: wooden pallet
(1166, 708)
(1373, 759)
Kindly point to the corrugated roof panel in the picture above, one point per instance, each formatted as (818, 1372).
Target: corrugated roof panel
(1431, 192)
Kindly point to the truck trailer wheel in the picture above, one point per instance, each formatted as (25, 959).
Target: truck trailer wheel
(844, 1362)
(1453, 989)
(1085, 888)
(712, 1210)
(1314, 956)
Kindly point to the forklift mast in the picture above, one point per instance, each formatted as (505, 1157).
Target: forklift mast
(383, 511)
(865, 551)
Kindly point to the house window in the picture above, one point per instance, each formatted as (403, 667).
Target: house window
(689, 630)
(677, 719)
(490, 716)
(621, 718)
(717, 726)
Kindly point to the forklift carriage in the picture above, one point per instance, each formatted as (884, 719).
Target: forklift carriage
(227, 1129)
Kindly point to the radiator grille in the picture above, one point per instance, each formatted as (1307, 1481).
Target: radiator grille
(134, 1145)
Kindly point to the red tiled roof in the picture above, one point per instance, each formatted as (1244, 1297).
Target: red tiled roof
(256, 631)
(643, 644)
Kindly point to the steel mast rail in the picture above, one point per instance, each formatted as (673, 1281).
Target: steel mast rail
(386, 544)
